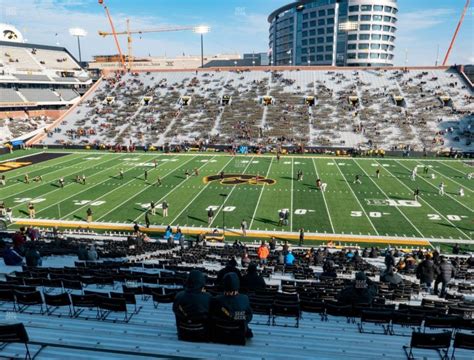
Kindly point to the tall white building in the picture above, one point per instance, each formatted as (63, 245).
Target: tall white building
(334, 32)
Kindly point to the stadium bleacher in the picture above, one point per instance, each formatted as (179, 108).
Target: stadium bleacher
(126, 298)
(416, 109)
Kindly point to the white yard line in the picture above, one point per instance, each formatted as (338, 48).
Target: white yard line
(52, 191)
(86, 188)
(291, 203)
(355, 196)
(177, 186)
(324, 198)
(109, 192)
(387, 197)
(445, 163)
(260, 196)
(427, 203)
(146, 188)
(460, 203)
(199, 193)
(228, 196)
(21, 157)
(450, 179)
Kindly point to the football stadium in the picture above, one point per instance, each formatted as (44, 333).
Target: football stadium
(314, 201)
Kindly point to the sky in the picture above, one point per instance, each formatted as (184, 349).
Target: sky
(237, 26)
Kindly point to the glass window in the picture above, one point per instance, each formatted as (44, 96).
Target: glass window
(312, 41)
(329, 39)
(304, 42)
(364, 36)
(351, 47)
(364, 27)
(354, 8)
(320, 48)
(312, 23)
(378, 17)
(377, 27)
(329, 48)
(387, 18)
(363, 56)
(351, 55)
(321, 31)
(376, 37)
(366, 7)
(384, 47)
(383, 56)
(390, 57)
(375, 46)
(394, 20)
(386, 28)
(313, 14)
(322, 12)
(312, 58)
(330, 11)
(305, 25)
(322, 22)
(378, 8)
(330, 21)
(354, 18)
(320, 40)
(319, 58)
(365, 18)
(391, 47)
(328, 57)
(304, 50)
(363, 46)
(388, 9)
(385, 38)
(374, 56)
(305, 16)
(304, 59)
(329, 30)
(312, 49)
(395, 11)
(312, 32)
(352, 37)
(392, 38)
(304, 33)
(392, 29)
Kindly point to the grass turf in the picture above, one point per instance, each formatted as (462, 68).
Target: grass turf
(378, 206)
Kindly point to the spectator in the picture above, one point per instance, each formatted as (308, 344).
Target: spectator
(286, 247)
(357, 259)
(231, 267)
(263, 253)
(32, 255)
(391, 277)
(445, 272)
(92, 254)
(361, 291)
(289, 258)
(281, 258)
(19, 240)
(389, 259)
(82, 252)
(232, 305)
(425, 272)
(252, 280)
(329, 269)
(272, 243)
(456, 249)
(245, 259)
(193, 301)
(10, 256)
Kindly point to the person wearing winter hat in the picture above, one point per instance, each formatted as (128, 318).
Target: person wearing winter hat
(252, 280)
(231, 267)
(193, 301)
(232, 305)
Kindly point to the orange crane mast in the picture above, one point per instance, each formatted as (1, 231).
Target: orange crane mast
(466, 7)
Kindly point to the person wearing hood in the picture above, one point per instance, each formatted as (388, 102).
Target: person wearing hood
(10, 256)
(361, 291)
(82, 252)
(426, 272)
(289, 258)
(391, 277)
(252, 280)
(445, 272)
(193, 301)
(232, 305)
(32, 255)
(329, 269)
(92, 254)
(231, 267)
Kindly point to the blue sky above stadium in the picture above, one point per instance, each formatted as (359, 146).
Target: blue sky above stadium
(238, 26)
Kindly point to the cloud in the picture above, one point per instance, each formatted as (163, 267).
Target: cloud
(422, 19)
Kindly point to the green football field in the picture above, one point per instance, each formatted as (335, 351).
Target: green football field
(383, 206)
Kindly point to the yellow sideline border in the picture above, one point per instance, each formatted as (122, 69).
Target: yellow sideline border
(250, 234)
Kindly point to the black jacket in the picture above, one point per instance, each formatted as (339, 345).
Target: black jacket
(445, 271)
(425, 271)
(192, 302)
(235, 307)
(253, 281)
(227, 269)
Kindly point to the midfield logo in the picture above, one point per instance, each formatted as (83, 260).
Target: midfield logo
(239, 179)
(11, 165)
(391, 202)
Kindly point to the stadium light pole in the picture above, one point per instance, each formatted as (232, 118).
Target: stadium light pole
(78, 33)
(201, 30)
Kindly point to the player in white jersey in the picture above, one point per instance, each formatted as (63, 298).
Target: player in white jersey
(461, 192)
(441, 188)
(323, 187)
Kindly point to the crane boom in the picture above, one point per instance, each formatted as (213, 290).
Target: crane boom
(466, 7)
(168, 29)
(122, 60)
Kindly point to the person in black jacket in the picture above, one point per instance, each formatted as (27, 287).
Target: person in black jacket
(445, 272)
(231, 267)
(32, 256)
(426, 272)
(389, 259)
(252, 280)
(329, 269)
(232, 305)
(193, 302)
(361, 291)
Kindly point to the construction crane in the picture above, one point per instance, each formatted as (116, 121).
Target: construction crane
(122, 60)
(466, 7)
(129, 34)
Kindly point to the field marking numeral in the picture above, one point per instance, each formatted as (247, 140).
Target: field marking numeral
(86, 202)
(436, 217)
(372, 214)
(226, 209)
(31, 200)
(303, 211)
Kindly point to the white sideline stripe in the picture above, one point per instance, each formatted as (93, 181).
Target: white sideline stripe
(177, 186)
(387, 197)
(109, 192)
(454, 181)
(52, 191)
(260, 196)
(29, 166)
(427, 203)
(353, 193)
(460, 203)
(146, 188)
(21, 157)
(199, 193)
(324, 198)
(86, 188)
(230, 193)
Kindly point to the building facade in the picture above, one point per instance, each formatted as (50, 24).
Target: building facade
(334, 32)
